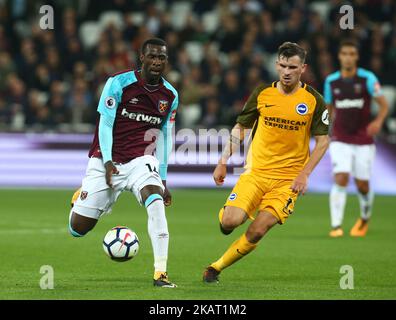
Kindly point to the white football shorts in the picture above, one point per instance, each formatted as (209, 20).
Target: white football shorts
(96, 197)
(354, 159)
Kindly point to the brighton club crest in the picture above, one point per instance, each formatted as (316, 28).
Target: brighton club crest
(162, 105)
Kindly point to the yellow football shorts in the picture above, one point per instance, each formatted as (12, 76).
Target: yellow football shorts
(256, 193)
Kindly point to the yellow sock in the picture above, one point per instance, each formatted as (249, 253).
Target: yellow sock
(221, 212)
(75, 196)
(158, 274)
(236, 251)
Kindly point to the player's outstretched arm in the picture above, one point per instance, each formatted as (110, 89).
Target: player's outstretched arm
(236, 137)
(375, 126)
(300, 184)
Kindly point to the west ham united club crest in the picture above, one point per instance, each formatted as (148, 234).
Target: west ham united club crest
(83, 195)
(358, 88)
(162, 105)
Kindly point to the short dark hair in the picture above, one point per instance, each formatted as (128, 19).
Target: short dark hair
(155, 41)
(348, 43)
(290, 49)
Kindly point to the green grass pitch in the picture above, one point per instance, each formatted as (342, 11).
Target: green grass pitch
(294, 261)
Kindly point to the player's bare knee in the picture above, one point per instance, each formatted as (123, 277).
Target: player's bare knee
(79, 226)
(231, 218)
(362, 186)
(258, 228)
(147, 191)
(255, 233)
(341, 179)
(228, 223)
(77, 230)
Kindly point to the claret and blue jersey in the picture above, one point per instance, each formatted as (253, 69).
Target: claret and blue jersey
(128, 111)
(351, 99)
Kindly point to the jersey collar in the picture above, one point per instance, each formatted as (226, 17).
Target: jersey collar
(143, 83)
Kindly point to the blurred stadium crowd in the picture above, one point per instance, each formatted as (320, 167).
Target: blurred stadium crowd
(218, 52)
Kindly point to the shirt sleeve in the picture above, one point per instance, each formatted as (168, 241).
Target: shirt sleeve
(107, 107)
(110, 98)
(249, 113)
(321, 119)
(105, 133)
(373, 85)
(165, 141)
(328, 97)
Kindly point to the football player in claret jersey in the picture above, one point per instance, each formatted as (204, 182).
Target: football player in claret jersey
(283, 116)
(132, 103)
(349, 93)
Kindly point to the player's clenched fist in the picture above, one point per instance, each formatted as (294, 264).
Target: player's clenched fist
(219, 174)
(167, 197)
(110, 170)
(373, 128)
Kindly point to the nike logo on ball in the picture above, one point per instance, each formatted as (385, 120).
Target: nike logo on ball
(123, 241)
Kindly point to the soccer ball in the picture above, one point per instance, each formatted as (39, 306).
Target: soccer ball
(121, 244)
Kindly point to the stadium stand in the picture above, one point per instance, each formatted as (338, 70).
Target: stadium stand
(50, 80)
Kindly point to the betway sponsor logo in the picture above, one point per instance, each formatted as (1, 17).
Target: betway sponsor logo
(349, 103)
(141, 117)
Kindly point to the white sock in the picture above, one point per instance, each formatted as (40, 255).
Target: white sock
(338, 196)
(366, 204)
(159, 235)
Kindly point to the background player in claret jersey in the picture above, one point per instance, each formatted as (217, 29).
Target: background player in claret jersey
(283, 116)
(349, 93)
(132, 103)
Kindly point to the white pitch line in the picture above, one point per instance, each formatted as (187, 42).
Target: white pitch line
(33, 231)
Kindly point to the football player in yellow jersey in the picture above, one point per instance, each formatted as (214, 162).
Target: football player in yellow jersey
(283, 116)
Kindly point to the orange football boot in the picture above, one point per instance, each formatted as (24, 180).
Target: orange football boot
(360, 228)
(336, 232)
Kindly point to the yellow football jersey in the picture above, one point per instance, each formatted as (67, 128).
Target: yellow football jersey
(282, 125)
